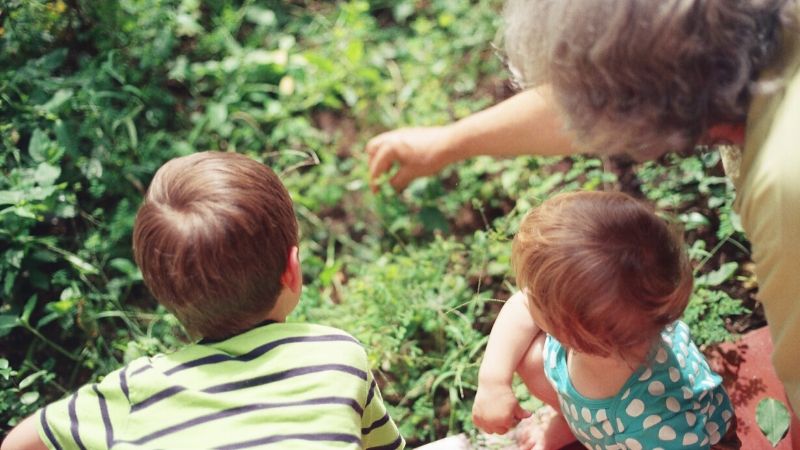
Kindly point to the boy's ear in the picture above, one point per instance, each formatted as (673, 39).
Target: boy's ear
(292, 277)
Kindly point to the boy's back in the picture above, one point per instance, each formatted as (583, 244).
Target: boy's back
(216, 240)
(292, 385)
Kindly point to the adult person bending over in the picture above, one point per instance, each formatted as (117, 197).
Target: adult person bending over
(645, 77)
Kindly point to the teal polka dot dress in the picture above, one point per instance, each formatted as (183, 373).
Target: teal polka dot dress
(674, 401)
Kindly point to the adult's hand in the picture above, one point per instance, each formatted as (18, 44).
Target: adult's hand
(418, 151)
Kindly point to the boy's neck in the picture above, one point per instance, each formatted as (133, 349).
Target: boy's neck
(600, 377)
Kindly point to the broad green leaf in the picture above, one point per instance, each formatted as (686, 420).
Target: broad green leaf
(46, 174)
(39, 193)
(7, 323)
(65, 136)
(27, 381)
(125, 266)
(59, 98)
(260, 16)
(187, 25)
(718, 276)
(38, 145)
(29, 397)
(217, 114)
(10, 197)
(355, 51)
(5, 370)
(773, 419)
(29, 305)
(80, 264)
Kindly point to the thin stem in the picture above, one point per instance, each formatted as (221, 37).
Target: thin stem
(47, 341)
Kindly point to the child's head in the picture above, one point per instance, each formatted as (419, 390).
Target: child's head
(213, 238)
(605, 273)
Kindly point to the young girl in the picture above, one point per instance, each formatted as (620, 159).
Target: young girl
(595, 333)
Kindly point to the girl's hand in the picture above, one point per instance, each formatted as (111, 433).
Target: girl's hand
(496, 409)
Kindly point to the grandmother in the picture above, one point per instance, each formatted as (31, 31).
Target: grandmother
(645, 77)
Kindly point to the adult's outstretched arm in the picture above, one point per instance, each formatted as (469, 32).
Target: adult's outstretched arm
(525, 124)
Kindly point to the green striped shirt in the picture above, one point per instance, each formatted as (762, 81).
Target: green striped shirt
(281, 386)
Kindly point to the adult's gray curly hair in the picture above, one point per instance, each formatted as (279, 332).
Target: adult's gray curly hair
(644, 77)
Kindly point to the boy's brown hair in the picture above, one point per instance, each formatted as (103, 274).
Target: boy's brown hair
(607, 273)
(212, 238)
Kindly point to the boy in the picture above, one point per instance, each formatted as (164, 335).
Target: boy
(216, 241)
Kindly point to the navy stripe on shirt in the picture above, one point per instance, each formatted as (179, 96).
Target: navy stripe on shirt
(337, 437)
(371, 392)
(104, 414)
(391, 446)
(278, 376)
(242, 410)
(123, 383)
(47, 431)
(141, 369)
(161, 395)
(258, 351)
(73, 422)
(251, 382)
(377, 424)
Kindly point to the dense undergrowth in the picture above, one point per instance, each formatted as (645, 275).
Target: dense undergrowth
(95, 95)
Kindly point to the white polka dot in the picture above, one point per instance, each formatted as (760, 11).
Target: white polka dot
(633, 444)
(656, 388)
(584, 435)
(711, 409)
(718, 398)
(646, 374)
(690, 438)
(635, 408)
(625, 395)
(691, 379)
(687, 393)
(681, 360)
(690, 418)
(573, 411)
(695, 406)
(666, 433)
(596, 433)
(661, 356)
(587, 416)
(674, 374)
(651, 420)
(715, 437)
(726, 415)
(705, 441)
(601, 415)
(607, 428)
(597, 447)
(620, 427)
(673, 404)
(712, 427)
(702, 395)
(684, 349)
